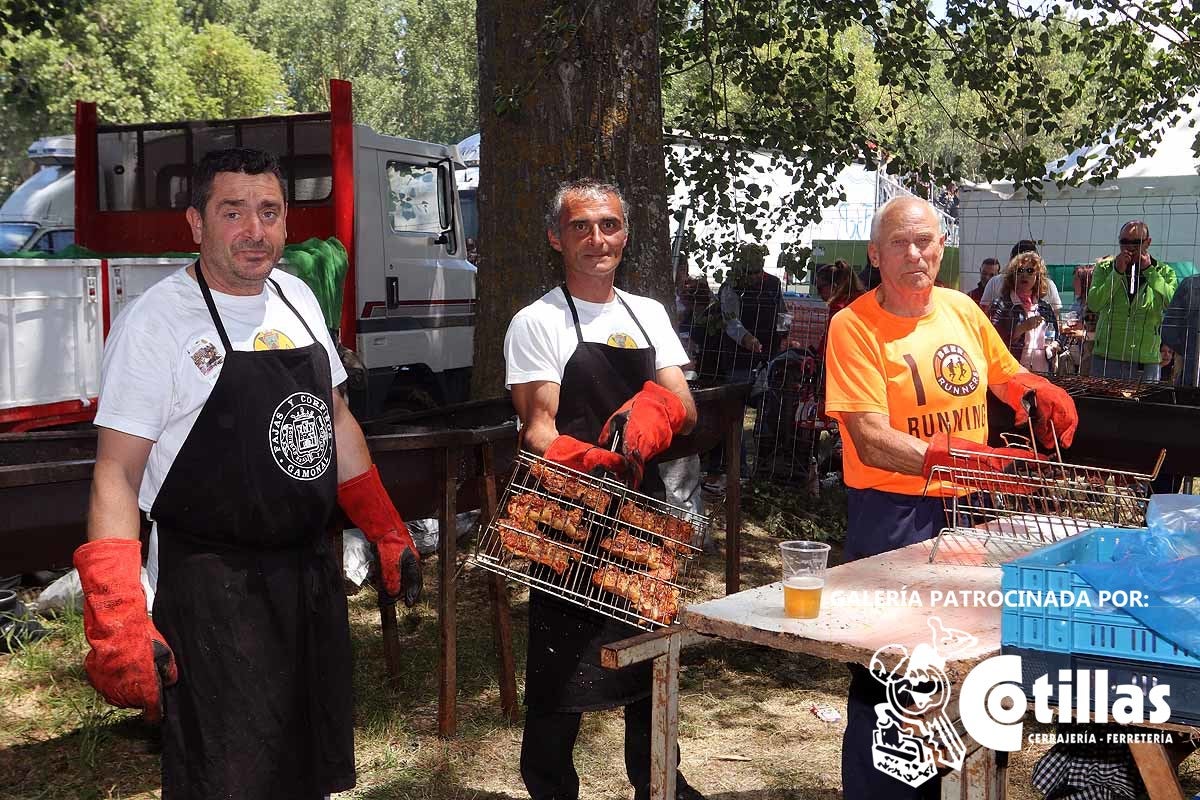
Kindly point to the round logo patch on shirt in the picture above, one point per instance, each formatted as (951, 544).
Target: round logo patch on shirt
(622, 340)
(272, 339)
(954, 371)
(301, 436)
(205, 355)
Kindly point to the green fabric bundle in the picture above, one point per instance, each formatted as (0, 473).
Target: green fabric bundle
(322, 264)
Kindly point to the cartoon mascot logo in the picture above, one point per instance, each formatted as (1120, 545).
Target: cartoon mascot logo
(954, 371)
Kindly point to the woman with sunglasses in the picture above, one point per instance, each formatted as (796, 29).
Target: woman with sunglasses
(1023, 317)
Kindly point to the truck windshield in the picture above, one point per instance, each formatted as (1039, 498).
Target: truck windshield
(14, 235)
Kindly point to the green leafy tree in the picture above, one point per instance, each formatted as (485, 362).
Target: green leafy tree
(413, 63)
(137, 60)
(990, 91)
(237, 79)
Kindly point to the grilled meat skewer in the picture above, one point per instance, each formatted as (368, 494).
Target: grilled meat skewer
(571, 488)
(569, 521)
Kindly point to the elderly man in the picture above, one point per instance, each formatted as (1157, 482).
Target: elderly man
(577, 358)
(1130, 293)
(989, 269)
(908, 370)
(218, 416)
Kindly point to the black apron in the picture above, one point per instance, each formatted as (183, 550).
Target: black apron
(249, 596)
(563, 670)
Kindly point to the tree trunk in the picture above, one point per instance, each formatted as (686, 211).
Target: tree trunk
(586, 103)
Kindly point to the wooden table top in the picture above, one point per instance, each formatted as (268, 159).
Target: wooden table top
(853, 625)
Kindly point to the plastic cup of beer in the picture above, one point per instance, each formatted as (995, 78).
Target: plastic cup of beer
(803, 577)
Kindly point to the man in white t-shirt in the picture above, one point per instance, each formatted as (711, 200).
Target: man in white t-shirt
(219, 417)
(995, 287)
(580, 357)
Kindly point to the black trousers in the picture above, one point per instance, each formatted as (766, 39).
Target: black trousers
(547, 765)
(861, 780)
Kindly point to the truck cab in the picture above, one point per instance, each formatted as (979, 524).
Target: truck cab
(39, 216)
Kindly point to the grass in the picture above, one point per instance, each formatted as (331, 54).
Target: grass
(746, 730)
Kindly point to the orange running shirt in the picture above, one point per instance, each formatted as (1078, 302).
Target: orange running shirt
(927, 374)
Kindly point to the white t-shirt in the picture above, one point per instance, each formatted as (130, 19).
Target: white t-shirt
(995, 286)
(541, 337)
(163, 357)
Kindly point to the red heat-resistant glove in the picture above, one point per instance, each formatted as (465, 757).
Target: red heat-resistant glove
(368, 506)
(971, 470)
(651, 418)
(584, 457)
(130, 661)
(1051, 405)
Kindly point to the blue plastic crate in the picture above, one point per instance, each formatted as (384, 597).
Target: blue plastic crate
(1089, 630)
(1184, 682)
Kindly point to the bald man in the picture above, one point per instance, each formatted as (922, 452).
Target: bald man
(908, 369)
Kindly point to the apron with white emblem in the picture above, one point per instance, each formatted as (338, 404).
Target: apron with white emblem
(249, 596)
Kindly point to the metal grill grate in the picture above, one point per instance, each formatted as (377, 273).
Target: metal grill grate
(993, 517)
(1118, 388)
(572, 535)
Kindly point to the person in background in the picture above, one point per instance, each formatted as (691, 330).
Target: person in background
(1168, 364)
(1130, 293)
(993, 288)
(839, 286)
(989, 269)
(693, 304)
(1022, 316)
(1181, 330)
(751, 300)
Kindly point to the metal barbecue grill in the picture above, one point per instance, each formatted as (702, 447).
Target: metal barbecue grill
(583, 529)
(993, 516)
(1117, 388)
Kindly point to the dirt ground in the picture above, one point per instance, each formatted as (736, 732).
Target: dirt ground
(746, 730)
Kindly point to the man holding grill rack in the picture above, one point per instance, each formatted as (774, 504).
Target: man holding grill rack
(578, 358)
(908, 371)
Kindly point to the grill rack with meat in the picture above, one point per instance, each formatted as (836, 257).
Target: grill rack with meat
(644, 568)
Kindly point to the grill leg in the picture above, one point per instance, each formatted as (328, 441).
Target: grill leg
(664, 736)
(501, 613)
(1158, 773)
(447, 460)
(733, 503)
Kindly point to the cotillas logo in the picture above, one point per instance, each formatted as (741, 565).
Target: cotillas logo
(954, 371)
(993, 702)
(913, 735)
(301, 436)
